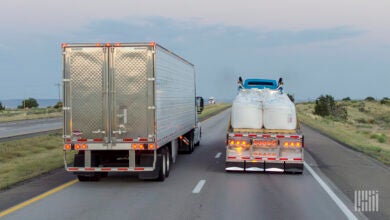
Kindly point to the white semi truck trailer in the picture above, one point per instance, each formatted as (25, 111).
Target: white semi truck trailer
(128, 107)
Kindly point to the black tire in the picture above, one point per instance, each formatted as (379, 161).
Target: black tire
(96, 177)
(168, 163)
(200, 137)
(83, 178)
(191, 139)
(162, 166)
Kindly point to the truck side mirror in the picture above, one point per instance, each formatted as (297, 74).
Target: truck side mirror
(199, 104)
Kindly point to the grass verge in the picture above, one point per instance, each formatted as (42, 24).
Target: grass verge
(367, 128)
(25, 114)
(211, 110)
(29, 157)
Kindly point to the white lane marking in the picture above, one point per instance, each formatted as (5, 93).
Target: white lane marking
(199, 186)
(218, 155)
(332, 195)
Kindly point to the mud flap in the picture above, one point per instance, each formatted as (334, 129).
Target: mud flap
(293, 167)
(254, 166)
(147, 161)
(274, 167)
(235, 166)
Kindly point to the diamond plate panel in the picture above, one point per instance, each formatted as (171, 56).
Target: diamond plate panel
(131, 68)
(87, 72)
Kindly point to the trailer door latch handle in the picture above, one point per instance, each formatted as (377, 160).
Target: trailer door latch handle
(99, 132)
(119, 132)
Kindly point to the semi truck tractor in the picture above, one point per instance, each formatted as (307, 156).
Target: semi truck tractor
(264, 133)
(128, 107)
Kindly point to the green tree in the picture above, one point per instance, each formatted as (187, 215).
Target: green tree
(370, 99)
(346, 99)
(1, 106)
(58, 105)
(291, 97)
(29, 103)
(324, 105)
(385, 101)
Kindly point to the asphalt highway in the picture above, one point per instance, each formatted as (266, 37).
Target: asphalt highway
(26, 127)
(197, 188)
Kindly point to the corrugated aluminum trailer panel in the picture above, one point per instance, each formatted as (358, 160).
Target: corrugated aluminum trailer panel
(175, 96)
(107, 92)
(85, 91)
(127, 92)
(132, 93)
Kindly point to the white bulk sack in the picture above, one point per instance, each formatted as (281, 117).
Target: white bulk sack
(279, 112)
(247, 109)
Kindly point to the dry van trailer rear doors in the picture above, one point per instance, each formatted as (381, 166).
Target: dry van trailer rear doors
(108, 93)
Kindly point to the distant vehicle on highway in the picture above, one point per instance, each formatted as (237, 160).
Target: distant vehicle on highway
(264, 133)
(211, 100)
(128, 107)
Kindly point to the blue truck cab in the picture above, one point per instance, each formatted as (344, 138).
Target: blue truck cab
(260, 84)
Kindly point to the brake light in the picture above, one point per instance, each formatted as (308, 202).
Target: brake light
(151, 146)
(127, 139)
(138, 146)
(77, 146)
(292, 144)
(269, 143)
(68, 146)
(84, 146)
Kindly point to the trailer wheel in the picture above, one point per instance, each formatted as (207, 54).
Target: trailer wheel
(162, 166)
(96, 177)
(200, 137)
(104, 174)
(168, 163)
(192, 139)
(83, 178)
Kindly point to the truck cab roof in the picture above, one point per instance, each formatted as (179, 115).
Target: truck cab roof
(260, 84)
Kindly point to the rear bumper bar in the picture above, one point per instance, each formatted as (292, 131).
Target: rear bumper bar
(108, 169)
(276, 166)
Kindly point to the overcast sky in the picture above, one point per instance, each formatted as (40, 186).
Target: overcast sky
(336, 47)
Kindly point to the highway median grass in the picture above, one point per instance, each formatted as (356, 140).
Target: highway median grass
(29, 157)
(26, 158)
(367, 128)
(26, 114)
(213, 109)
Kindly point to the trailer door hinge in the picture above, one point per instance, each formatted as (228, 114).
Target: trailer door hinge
(151, 79)
(65, 108)
(65, 80)
(151, 107)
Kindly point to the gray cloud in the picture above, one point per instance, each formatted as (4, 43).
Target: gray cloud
(220, 53)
